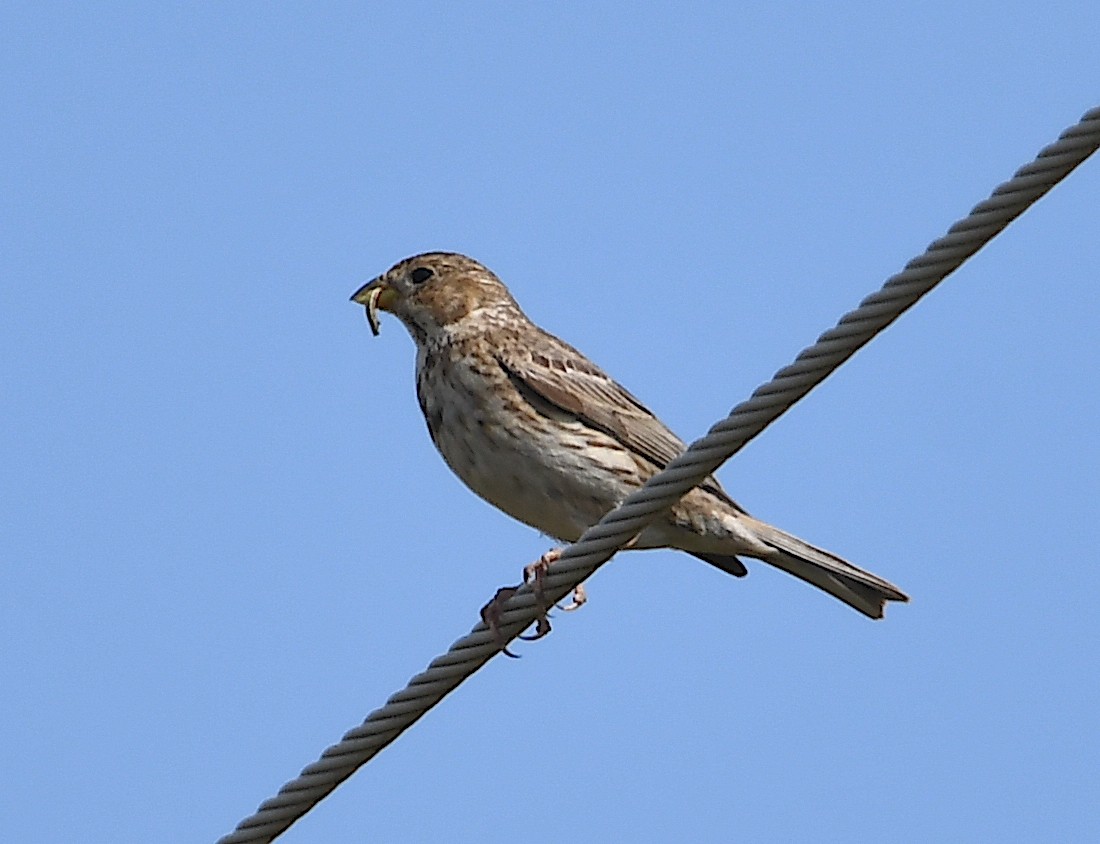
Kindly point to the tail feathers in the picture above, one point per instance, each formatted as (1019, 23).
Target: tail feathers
(859, 589)
(726, 562)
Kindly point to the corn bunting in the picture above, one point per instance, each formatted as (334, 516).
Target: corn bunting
(539, 431)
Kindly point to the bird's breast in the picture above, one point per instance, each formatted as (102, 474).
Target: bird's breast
(544, 467)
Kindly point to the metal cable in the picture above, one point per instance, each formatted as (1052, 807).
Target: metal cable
(600, 542)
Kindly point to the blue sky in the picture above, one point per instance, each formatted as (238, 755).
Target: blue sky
(225, 536)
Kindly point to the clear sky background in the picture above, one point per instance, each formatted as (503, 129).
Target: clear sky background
(225, 536)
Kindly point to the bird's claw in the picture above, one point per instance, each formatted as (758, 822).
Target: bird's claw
(580, 598)
(535, 574)
(542, 627)
(491, 612)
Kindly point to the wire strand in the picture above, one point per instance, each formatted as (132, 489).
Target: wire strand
(601, 541)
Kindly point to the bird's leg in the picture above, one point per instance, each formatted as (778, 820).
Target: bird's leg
(491, 612)
(535, 574)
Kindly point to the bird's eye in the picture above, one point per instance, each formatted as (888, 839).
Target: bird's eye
(421, 274)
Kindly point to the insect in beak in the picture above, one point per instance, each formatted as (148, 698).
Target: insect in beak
(372, 310)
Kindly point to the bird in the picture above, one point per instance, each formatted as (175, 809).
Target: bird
(536, 429)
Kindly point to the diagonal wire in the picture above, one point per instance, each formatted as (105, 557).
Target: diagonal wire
(600, 542)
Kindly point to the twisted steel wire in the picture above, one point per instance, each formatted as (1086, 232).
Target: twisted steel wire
(600, 542)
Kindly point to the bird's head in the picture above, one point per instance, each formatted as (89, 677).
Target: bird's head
(434, 293)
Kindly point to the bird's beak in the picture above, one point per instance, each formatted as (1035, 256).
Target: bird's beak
(374, 296)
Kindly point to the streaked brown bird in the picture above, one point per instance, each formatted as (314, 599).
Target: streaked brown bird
(539, 431)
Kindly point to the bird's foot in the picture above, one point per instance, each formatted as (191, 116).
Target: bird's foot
(491, 613)
(535, 574)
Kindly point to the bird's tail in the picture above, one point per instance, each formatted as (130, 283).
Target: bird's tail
(859, 589)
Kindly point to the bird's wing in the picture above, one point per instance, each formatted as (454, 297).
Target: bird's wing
(555, 372)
